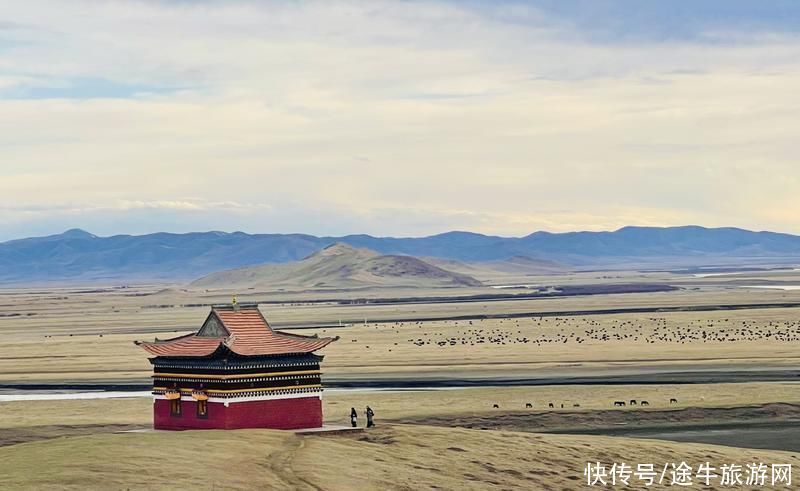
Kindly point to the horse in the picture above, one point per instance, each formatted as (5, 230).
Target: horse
(619, 403)
(644, 403)
(528, 405)
(673, 401)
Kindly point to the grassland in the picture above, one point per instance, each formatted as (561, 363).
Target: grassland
(72, 336)
(90, 445)
(77, 335)
(395, 457)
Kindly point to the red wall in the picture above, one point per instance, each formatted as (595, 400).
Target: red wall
(283, 414)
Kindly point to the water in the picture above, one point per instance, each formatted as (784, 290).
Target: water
(745, 272)
(712, 275)
(773, 287)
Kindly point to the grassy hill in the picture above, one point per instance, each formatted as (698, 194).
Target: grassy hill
(396, 457)
(337, 266)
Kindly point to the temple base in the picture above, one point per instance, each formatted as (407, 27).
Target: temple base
(279, 414)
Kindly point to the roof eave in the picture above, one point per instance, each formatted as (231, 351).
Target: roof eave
(149, 347)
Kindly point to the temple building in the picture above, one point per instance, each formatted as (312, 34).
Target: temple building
(236, 372)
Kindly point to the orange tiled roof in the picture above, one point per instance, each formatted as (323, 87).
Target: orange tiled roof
(248, 334)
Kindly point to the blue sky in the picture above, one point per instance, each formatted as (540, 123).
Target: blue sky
(397, 118)
(659, 20)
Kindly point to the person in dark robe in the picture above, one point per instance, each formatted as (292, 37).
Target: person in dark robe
(370, 414)
(353, 417)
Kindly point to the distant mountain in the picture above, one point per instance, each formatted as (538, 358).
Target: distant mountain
(77, 255)
(334, 267)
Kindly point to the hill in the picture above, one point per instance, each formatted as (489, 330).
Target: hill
(334, 267)
(77, 255)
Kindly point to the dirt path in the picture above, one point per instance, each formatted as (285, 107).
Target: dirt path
(280, 462)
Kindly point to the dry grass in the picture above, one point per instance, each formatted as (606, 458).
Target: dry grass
(72, 439)
(394, 457)
(450, 403)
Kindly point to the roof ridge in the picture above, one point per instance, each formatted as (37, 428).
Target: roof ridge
(239, 306)
(302, 336)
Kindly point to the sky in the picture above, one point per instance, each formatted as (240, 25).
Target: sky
(398, 118)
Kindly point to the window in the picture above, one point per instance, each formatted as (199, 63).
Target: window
(202, 409)
(175, 407)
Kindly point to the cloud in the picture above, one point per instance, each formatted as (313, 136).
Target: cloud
(395, 118)
(190, 204)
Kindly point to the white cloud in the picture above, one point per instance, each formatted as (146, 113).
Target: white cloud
(384, 117)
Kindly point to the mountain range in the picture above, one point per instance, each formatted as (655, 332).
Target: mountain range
(77, 255)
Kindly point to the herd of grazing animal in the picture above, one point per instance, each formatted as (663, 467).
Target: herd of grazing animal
(632, 402)
(542, 331)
